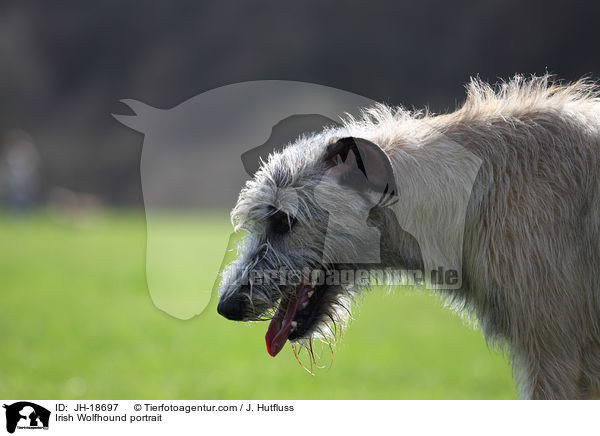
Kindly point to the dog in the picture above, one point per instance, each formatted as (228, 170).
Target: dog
(503, 192)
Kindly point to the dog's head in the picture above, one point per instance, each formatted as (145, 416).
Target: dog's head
(311, 216)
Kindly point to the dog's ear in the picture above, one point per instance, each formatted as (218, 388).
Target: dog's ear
(354, 159)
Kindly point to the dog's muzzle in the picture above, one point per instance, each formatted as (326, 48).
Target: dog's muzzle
(233, 307)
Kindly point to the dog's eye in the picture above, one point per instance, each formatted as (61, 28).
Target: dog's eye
(281, 223)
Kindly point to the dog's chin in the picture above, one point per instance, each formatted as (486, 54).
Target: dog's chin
(301, 315)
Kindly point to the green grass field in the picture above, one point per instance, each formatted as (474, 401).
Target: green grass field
(77, 321)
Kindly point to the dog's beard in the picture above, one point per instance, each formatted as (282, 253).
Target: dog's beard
(306, 311)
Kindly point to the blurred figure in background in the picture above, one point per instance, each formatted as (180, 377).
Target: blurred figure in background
(19, 172)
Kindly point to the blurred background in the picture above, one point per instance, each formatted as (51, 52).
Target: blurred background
(75, 314)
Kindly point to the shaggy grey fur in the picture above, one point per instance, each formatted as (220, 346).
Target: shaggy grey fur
(531, 244)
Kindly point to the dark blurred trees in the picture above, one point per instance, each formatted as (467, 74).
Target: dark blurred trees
(65, 65)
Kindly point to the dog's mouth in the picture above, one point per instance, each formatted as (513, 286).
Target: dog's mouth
(294, 317)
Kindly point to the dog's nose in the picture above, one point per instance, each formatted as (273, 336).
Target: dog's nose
(233, 307)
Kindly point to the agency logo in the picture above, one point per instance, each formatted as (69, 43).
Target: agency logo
(190, 162)
(26, 415)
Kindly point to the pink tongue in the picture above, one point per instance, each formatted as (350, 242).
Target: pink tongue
(281, 324)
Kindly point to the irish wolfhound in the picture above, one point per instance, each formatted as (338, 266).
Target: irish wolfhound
(522, 158)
